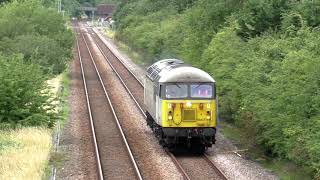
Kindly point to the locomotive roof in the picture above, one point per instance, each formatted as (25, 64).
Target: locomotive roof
(174, 70)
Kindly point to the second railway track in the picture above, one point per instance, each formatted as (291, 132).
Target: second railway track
(128, 79)
(191, 167)
(114, 157)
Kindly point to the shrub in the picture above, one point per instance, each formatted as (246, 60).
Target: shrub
(24, 96)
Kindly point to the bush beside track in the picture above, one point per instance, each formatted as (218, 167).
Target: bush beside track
(35, 45)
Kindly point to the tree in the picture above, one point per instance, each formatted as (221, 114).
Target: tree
(4, 1)
(35, 31)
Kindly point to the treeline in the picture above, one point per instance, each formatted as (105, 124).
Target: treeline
(264, 55)
(35, 45)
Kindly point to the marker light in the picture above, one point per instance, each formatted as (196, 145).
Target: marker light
(208, 105)
(201, 106)
(188, 104)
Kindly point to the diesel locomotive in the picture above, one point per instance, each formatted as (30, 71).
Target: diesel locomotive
(181, 105)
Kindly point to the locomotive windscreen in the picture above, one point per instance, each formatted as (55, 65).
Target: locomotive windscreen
(187, 91)
(201, 91)
(176, 91)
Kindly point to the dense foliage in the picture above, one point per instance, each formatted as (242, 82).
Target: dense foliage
(36, 32)
(35, 44)
(24, 97)
(264, 54)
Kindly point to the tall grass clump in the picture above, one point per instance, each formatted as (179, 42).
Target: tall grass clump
(24, 153)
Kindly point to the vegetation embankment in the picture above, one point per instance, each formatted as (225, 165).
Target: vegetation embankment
(263, 54)
(35, 46)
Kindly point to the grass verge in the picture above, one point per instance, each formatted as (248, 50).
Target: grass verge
(24, 153)
(62, 86)
(285, 169)
(134, 56)
(63, 95)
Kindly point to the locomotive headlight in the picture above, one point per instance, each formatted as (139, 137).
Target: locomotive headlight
(170, 115)
(188, 104)
(208, 115)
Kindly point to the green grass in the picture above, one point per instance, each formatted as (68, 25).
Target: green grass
(133, 55)
(64, 95)
(57, 159)
(61, 88)
(109, 33)
(285, 169)
(6, 143)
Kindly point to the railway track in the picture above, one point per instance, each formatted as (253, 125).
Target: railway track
(185, 164)
(113, 154)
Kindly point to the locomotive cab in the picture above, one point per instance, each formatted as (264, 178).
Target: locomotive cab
(181, 104)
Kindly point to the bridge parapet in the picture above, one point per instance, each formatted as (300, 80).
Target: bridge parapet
(87, 8)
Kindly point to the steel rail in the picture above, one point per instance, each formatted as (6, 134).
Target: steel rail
(122, 81)
(123, 64)
(137, 171)
(178, 165)
(176, 162)
(221, 174)
(100, 173)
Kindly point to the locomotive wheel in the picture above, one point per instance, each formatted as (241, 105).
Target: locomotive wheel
(149, 120)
